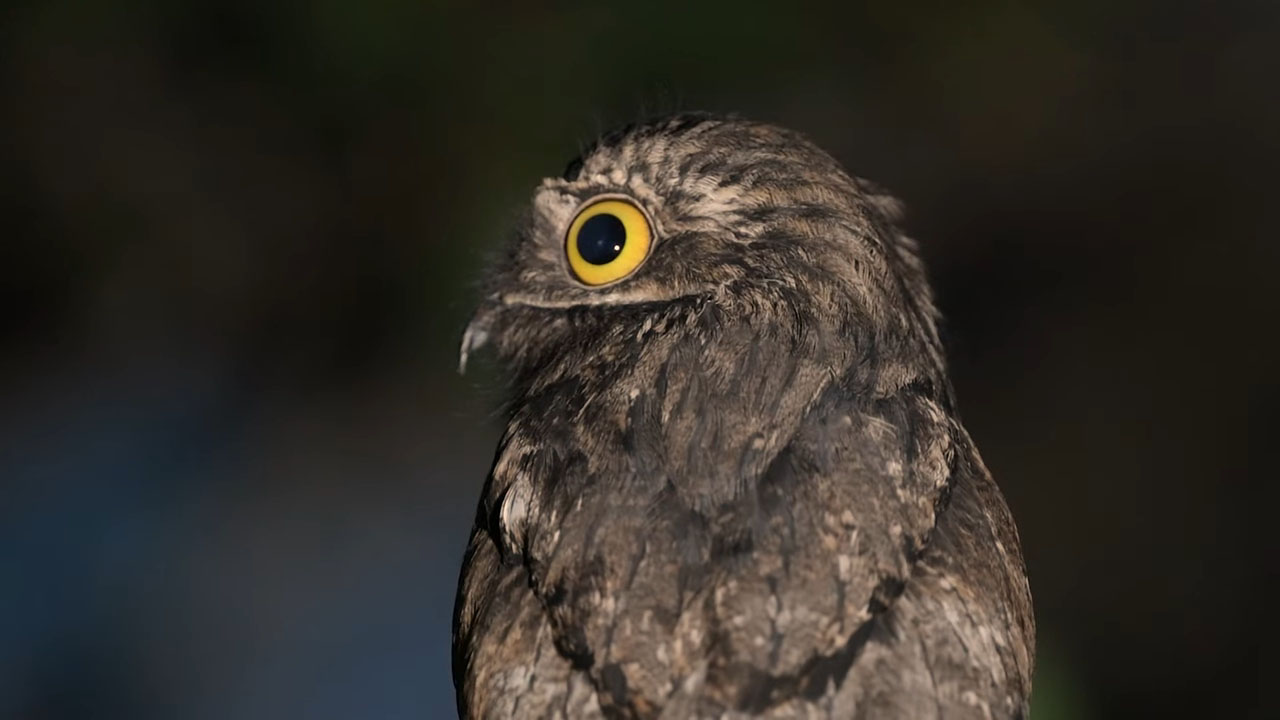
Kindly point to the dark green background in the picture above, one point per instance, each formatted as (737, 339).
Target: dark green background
(239, 242)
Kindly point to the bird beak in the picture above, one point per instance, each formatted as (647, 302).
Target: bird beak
(476, 335)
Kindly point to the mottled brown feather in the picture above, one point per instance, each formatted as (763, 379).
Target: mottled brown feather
(733, 484)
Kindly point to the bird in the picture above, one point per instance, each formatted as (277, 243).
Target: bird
(732, 481)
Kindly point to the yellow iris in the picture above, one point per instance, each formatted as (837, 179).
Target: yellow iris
(607, 241)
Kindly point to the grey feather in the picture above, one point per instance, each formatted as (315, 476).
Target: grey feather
(733, 484)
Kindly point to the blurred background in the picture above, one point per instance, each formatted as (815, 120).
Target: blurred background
(240, 240)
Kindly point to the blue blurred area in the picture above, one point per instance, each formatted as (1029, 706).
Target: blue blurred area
(155, 566)
(238, 468)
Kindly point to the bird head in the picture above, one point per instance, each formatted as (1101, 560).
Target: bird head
(683, 224)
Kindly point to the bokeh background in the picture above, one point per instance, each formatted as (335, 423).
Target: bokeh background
(240, 240)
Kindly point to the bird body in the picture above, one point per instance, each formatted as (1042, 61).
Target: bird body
(732, 481)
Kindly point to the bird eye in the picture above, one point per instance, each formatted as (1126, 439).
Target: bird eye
(607, 241)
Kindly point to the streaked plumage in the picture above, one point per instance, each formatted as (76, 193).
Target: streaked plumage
(733, 484)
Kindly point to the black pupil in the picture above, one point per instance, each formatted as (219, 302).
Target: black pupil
(600, 239)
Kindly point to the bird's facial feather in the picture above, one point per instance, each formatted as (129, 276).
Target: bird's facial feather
(749, 217)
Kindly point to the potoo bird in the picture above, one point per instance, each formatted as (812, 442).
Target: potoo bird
(732, 481)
